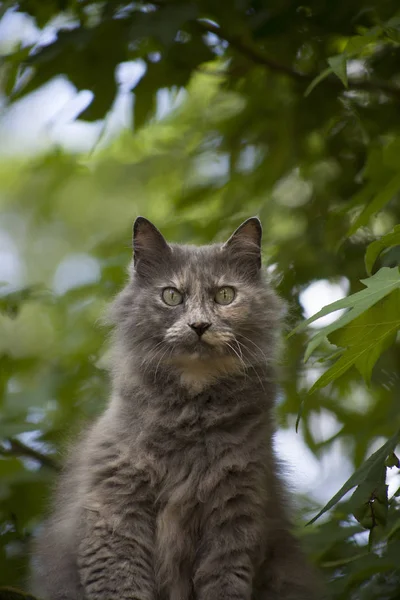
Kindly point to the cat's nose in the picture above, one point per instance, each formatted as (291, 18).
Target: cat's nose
(199, 327)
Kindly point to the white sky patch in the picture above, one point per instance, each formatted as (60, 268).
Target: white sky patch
(168, 101)
(128, 74)
(17, 27)
(301, 468)
(28, 125)
(74, 271)
(48, 116)
(335, 468)
(10, 263)
(320, 293)
(324, 425)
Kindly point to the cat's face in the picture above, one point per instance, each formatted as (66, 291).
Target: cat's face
(198, 309)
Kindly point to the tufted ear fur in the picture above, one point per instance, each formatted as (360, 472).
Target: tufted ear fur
(244, 245)
(149, 246)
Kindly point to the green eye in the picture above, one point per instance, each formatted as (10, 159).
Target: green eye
(172, 297)
(225, 295)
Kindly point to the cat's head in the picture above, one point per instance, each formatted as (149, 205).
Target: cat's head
(202, 312)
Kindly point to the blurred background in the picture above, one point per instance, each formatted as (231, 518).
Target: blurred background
(198, 115)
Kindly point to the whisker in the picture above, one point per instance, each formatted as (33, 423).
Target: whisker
(153, 352)
(159, 362)
(252, 366)
(239, 357)
(148, 361)
(254, 344)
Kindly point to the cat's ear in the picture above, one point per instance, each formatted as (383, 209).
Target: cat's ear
(149, 245)
(245, 243)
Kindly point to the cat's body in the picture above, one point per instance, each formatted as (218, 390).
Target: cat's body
(174, 493)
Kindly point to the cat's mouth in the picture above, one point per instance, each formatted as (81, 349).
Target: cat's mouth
(209, 346)
(201, 348)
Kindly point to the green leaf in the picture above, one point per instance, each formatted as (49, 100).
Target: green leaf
(163, 24)
(356, 44)
(41, 11)
(369, 502)
(365, 338)
(323, 75)
(173, 69)
(377, 287)
(392, 461)
(88, 57)
(376, 204)
(11, 302)
(8, 593)
(8, 430)
(366, 472)
(375, 248)
(338, 65)
(393, 33)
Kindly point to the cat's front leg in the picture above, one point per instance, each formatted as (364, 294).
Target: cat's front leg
(228, 550)
(224, 578)
(115, 558)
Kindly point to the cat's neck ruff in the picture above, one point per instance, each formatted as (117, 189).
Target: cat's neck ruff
(197, 374)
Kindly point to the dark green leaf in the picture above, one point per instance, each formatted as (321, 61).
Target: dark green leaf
(377, 203)
(323, 75)
(377, 287)
(370, 467)
(375, 248)
(338, 65)
(365, 338)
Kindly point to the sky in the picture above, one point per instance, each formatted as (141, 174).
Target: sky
(48, 117)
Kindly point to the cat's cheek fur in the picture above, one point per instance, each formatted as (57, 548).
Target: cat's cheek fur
(175, 492)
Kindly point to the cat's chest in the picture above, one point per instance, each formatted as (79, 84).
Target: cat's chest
(186, 440)
(192, 450)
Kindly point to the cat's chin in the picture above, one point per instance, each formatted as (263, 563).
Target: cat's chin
(199, 350)
(203, 364)
(190, 357)
(198, 369)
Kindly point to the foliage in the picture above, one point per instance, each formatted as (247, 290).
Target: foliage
(290, 112)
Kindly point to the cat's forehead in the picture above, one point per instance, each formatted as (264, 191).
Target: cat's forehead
(193, 265)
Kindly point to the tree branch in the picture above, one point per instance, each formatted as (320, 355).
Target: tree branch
(257, 56)
(18, 448)
(253, 52)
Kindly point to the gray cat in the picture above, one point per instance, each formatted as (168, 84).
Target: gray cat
(174, 493)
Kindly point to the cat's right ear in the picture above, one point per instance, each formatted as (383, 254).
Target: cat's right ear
(244, 245)
(149, 246)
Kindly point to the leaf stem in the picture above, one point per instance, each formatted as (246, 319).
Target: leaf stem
(18, 448)
(256, 55)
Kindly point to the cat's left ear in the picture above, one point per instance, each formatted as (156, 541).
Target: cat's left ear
(245, 243)
(149, 246)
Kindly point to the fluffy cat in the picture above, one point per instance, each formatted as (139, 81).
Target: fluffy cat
(174, 493)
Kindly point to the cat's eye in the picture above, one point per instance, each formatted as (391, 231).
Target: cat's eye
(225, 295)
(172, 297)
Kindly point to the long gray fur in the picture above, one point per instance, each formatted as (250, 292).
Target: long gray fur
(174, 493)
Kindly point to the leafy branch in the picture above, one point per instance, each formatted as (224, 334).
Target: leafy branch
(18, 448)
(256, 55)
(251, 51)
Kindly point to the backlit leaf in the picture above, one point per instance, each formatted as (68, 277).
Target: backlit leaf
(378, 286)
(370, 467)
(338, 65)
(375, 248)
